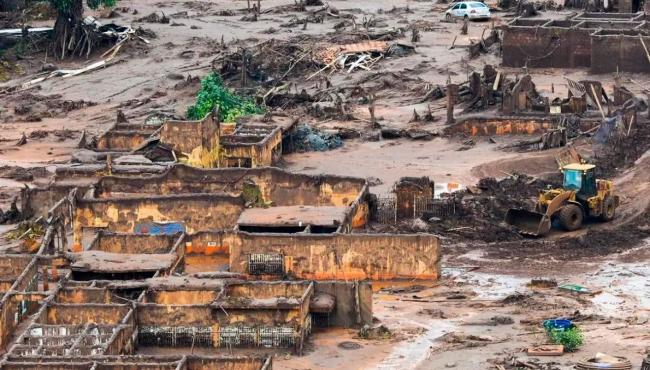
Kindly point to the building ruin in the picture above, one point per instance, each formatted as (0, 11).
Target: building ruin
(602, 42)
(128, 268)
(204, 143)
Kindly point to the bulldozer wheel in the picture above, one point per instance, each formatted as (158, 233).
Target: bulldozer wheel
(571, 217)
(609, 209)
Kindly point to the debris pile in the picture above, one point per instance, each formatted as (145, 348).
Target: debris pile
(308, 139)
(11, 215)
(379, 332)
(360, 55)
(479, 211)
(21, 173)
(31, 107)
(267, 63)
(155, 18)
(94, 35)
(623, 149)
(273, 62)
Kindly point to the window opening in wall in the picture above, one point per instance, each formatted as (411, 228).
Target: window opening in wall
(271, 337)
(246, 336)
(237, 336)
(176, 336)
(265, 264)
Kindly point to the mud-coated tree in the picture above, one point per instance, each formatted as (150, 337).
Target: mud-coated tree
(69, 33)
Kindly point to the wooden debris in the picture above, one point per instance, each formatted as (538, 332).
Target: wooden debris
(629, 128)
(65, 73)
(546, 350)
(597, 101)
(415, 117)
(22, 141)
(415, 35)
(109, 55)
(350, 57)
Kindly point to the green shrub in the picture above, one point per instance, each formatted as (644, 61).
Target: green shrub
(571, 339)
(213, 92)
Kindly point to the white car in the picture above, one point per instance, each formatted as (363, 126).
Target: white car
(469, 10)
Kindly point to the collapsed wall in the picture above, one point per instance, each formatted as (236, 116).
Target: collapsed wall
(125, 136)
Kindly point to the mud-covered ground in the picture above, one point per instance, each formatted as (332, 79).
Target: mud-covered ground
(484, 261)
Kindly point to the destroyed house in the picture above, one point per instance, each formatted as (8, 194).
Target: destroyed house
(251, 314)
(106, 318)
(553, 120)
(265, 223)
(202, 143)
(603, 42)
(124, 137)
(251, 146)
(249, 199)
(270, 255)
(20, 292)
(85, 324)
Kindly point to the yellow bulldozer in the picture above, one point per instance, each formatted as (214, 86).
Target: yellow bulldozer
(581, 196)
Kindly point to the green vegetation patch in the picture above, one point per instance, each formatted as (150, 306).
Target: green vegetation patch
(214, 93)
(571, 339)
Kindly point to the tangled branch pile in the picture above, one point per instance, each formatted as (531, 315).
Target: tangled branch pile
(267, 63)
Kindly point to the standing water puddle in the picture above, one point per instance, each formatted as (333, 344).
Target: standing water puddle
(408, 355)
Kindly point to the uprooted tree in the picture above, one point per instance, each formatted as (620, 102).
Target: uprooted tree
(70, 35)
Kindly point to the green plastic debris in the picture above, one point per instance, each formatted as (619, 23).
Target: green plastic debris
(575, 288)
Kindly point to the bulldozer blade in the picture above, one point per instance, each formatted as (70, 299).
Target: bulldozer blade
(528, 223)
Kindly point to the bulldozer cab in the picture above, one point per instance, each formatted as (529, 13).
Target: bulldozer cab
(581, 178)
